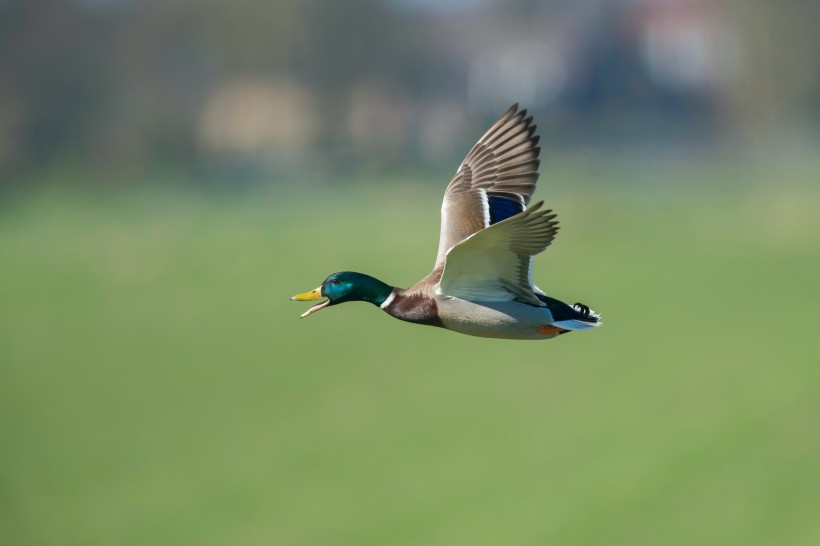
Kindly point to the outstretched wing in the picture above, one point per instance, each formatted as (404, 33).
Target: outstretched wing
(495, 264)
(494, 182)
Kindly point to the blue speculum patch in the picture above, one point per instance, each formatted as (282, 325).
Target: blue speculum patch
(502, 208)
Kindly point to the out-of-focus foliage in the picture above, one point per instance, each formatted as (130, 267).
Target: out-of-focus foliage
(117, 84)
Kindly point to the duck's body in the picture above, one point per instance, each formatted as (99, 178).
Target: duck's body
(503, 319)
(481, 284)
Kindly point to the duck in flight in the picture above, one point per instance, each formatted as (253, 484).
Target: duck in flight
(482, 282)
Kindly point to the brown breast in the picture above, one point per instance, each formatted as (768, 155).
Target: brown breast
(417, 303)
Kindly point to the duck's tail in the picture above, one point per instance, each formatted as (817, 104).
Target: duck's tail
(576, 317)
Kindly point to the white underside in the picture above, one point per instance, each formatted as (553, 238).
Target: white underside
(576, 325)
(507, 320)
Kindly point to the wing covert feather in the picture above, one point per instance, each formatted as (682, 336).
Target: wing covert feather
(495, 264)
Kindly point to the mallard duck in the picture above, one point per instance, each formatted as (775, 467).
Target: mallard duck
(481, 284)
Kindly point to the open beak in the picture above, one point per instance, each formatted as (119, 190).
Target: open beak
(315, 294)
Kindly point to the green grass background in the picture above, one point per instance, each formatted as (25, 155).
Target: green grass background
(157, 386)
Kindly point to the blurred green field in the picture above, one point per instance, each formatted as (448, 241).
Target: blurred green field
(157, 386)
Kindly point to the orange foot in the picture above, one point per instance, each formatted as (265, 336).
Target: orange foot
(549, 329)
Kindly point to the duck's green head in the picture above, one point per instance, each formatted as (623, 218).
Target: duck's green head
(343, 287)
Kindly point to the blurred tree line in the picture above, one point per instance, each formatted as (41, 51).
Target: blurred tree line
(114, 84)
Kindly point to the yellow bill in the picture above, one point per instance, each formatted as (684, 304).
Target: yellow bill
(315, 294)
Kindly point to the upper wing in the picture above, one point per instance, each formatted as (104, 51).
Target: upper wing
(495, 264)
(494, 182)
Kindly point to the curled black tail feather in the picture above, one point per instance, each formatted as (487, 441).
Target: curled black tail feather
(561, 311)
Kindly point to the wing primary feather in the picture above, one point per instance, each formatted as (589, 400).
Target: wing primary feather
(503, 163)
(524, 136)
(530, 164)
(504, 125)
(508, 125)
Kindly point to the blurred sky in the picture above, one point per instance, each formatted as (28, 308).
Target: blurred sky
(289, 85)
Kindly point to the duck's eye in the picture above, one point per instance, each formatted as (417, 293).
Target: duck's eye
(334, 281)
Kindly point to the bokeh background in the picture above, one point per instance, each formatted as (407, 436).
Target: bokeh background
(171, 172)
